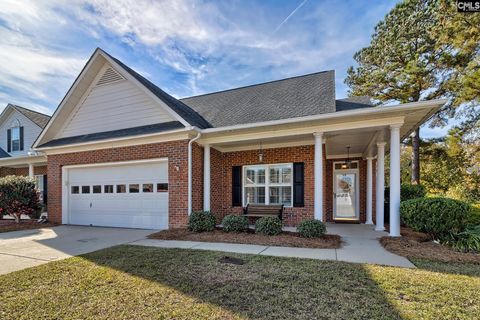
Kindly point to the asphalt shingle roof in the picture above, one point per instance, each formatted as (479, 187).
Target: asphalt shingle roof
(353, 103)
(4, 154)
(282, 99)
(38, 118)
(122, 133)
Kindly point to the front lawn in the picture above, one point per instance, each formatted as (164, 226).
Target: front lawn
(7, 225)
(131, 282)
(284, 239)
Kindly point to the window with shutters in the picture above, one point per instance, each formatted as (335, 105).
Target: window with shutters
(15, 136)
(268, 184)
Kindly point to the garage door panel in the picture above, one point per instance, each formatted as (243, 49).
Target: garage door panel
(124, 209)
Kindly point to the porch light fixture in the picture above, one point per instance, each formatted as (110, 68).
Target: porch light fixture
(347, 164)
(260, 154)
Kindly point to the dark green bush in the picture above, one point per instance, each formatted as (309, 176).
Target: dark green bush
(234, 223)
(18, 196)
(438, 217)
(407, 192)
(201, 221)
(270, 226)
(311, 228)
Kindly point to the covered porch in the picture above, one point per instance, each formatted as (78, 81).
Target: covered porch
(341, 157)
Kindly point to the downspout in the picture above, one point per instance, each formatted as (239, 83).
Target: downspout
(190, 171)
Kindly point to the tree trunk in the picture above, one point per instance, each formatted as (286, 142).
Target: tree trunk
(416, 156)
(17, 217)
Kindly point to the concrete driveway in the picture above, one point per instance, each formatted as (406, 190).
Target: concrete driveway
(28, 248)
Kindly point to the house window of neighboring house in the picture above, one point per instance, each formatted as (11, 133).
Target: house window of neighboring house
(268, 184)
(15, 142)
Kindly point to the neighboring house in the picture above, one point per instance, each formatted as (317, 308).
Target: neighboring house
(122, 152)
(19, 128)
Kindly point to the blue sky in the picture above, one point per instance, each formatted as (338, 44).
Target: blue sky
(187, 47)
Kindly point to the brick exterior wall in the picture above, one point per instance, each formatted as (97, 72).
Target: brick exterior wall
(175, 151)
(4, 171)
(221, 179)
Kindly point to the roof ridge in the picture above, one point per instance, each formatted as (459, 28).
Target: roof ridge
(258, 84)
(37, 112)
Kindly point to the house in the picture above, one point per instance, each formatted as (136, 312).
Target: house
(122, 152)
(19, 128)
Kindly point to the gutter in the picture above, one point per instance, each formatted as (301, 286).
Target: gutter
(199, 134)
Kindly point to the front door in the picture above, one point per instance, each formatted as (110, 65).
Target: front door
(345, 194)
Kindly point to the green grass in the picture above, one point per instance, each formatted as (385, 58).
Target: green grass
(130, 282)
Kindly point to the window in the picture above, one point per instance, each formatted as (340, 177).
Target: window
(268, 184)
(147, 187)
(162, 187)
(346, 165)
(121, 188)
(97, 189)
(75, 189)
(134, 188)
(15, 138)
(85, 189)
(108, 188)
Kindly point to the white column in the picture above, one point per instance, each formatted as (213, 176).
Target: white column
(30, 170)
(369, 191)
(318, 183)
(206, 177)
(380, 186)
(395, 180)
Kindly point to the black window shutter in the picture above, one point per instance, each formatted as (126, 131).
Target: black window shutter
(298, 184)
(45, 189)
(236, 186)
(21, 138)
(9, 140)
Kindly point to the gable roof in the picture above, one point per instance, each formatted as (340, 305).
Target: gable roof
(351, 103)
(179, 107)
(281, 99)
(38, 118)
(4, 154)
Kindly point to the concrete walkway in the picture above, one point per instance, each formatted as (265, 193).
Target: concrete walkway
(360, 245)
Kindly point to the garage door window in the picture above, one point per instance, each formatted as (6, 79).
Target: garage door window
(108, 188)
(97, 189)
(147, 187)
(134, 188)
(85, 189)
(75, 189)
(162, 187)
(121, 188)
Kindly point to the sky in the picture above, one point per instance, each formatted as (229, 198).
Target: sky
(186, 47)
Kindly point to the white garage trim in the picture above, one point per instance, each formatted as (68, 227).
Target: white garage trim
(66, 219)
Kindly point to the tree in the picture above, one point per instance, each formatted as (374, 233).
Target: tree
(18, 196)
(412, 57)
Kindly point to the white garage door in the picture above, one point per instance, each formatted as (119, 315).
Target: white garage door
(124, 195)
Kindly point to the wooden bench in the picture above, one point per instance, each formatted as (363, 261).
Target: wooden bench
(262, 210)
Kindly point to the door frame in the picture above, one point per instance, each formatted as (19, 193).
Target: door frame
(357, 191)
(66, 184)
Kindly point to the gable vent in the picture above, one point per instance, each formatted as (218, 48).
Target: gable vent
(109, 76)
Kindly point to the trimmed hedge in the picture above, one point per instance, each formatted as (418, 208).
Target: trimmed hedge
(438, 217)
(18, 196)
(201, 221)
(234, 223)
(311, 228)
(269, 226)
(407, 192)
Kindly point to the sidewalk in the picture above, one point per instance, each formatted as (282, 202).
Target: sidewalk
(359, 249)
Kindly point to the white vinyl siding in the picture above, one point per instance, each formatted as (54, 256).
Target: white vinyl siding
(30, 133)
(114, 106)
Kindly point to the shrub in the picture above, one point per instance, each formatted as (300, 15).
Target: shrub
(439, 217)
(474, 218)
(234, 223)
(407, 192)
(466, 241)
(311, 228)
(269, 226)
(18, 196)
(201, 221)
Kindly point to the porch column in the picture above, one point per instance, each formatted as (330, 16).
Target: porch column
(380, 186)
(206, 177)
(395, 180)
(369, 190)
(318, 183)
(30, 170)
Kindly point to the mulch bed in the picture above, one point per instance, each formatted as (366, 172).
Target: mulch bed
(418, 245)
(7, 225)
(285, 239)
